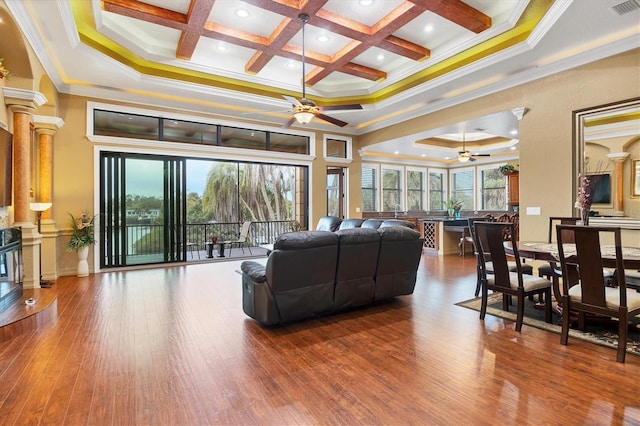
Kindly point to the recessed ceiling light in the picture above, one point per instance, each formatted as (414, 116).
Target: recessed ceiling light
(380, 57)
(514, 132)
(323, 38)
(366, 2)
(222, 47)
(513, 148)
(291, 64)
(396, 152)
(243, 13)
(428, 28)
(423, 155)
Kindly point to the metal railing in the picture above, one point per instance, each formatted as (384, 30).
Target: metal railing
(148, 239)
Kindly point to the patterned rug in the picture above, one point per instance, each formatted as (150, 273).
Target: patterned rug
(605, 333)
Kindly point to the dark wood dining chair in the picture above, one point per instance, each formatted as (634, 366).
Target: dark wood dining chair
(513, 267)
(489, 237)
(584, 289)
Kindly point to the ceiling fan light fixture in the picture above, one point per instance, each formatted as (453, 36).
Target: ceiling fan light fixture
(303, 117)
(464, 157)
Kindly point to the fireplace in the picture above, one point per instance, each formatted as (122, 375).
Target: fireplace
(10, 266)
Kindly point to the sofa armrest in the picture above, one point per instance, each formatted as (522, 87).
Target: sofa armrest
(254, 270)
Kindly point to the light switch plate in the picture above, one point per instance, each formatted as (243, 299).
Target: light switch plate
(533, 211)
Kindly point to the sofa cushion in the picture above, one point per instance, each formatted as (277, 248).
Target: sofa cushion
(304, 240)
(357, 262)
(328, 223)
(397, 222)
(350, 223)
(372, 223)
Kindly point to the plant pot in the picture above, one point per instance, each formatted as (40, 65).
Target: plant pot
(83, 265)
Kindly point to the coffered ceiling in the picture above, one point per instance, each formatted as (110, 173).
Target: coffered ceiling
(397, 58)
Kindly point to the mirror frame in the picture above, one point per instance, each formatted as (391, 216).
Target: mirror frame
(579, 118)
(635, 179)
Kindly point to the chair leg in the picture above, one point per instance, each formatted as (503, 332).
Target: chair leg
(520, 313)
(564, 335)
(483, 304)
(623, 326)
(547, 305)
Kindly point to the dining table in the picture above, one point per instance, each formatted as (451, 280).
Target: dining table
(549, 252)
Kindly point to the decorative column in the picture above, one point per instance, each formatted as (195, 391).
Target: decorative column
(22, 103)
(46, 127)
(618, 159)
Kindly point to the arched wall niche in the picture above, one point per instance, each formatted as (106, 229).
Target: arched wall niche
(13, 50)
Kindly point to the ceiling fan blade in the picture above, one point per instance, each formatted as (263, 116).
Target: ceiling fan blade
(472, 159)
(481, 155)
(332, 120)
(293, 100)
(289, 123)
(340, 107)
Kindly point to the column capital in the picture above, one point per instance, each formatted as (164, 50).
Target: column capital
(46, 125)
(618, 157)
(23, 100)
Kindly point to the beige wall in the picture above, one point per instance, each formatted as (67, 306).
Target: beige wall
(546, 142)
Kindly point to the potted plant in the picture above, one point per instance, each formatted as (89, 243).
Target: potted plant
(453, 207)
(82, 236)
(507, 169)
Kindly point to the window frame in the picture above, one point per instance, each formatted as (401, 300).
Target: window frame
(473, 197)
(400, 190)
(480, 187)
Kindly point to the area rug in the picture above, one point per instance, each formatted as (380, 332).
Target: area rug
(605, 334)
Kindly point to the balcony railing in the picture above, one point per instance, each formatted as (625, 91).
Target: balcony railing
(145, 240)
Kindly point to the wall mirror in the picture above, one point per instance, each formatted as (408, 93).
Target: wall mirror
(607, 143)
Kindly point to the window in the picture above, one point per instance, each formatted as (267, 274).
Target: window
(391, 189)
(415, 190)
(148, 127)
(462, 187)
(369, 189)
(492, 184)
(437, 189)
(337, 149)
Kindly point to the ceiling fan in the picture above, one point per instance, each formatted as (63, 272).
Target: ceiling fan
(465, 155)
(305, 109)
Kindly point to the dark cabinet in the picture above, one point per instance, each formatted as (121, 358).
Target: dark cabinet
(513, 189)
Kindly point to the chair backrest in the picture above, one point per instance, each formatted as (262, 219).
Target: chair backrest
(328, 223)
(558, 220)
(490, 245)
(581, 260)
(244, 231)
(472, 231)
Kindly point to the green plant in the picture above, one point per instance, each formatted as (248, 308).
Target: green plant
(453, 204)
(83, 229)
(507, 168)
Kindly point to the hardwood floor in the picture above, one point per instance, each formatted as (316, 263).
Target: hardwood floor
(172, 346)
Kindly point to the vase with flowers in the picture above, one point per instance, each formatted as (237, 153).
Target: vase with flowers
(584, 199)
(82, 236)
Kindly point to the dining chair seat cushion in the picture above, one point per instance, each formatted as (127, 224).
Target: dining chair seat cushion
(513, 267)
(612, 296)
(529, 282)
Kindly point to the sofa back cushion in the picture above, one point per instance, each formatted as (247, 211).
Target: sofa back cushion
(328, 223)
(400, 252)
(372, 223)
(358, 250)
(397, 222)
(301, 272)
(350, 223)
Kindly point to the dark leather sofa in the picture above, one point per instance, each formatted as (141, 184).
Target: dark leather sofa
(333, 223)
(318, 272)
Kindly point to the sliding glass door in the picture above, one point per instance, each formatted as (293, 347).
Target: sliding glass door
(143, 209)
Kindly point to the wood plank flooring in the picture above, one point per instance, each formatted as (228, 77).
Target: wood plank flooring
(171, 346)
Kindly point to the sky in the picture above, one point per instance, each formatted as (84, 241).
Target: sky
(144, 177)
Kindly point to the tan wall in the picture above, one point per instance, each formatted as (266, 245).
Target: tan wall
(546, 142)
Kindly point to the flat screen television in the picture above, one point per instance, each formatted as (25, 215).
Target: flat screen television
(6, 167)
(600, 187)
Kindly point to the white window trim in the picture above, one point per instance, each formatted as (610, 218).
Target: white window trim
(478, 188)
(462, 170)
(403, 201)
(349, 149)
(377, 189)
(445, 186)
(424, 171)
